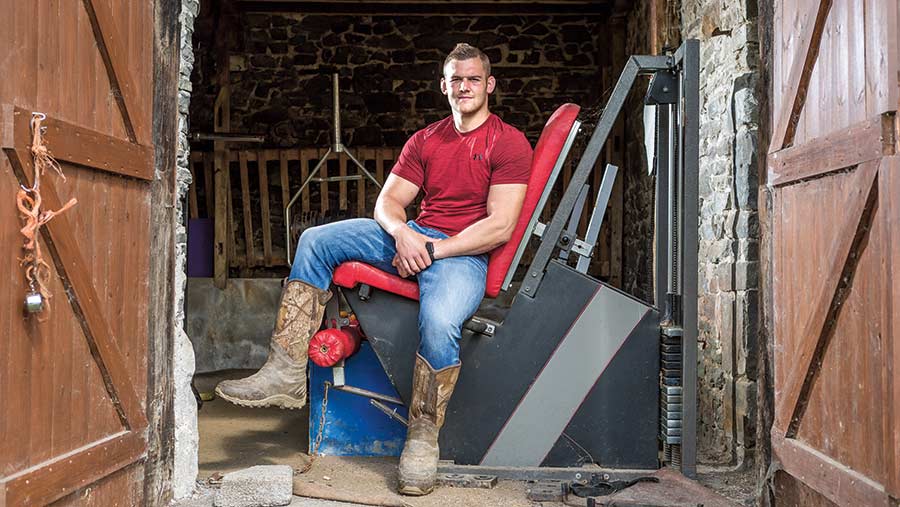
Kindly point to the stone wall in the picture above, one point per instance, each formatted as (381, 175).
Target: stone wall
(389, 70)
(185, 469)
(230, 328)
(729, 230)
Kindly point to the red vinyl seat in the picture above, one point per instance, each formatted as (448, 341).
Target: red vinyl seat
(548, 148)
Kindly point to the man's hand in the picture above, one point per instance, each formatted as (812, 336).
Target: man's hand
(412, 256)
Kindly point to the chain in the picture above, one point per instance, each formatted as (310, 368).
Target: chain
(315, 451)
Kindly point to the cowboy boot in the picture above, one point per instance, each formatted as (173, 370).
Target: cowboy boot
(281, 382)
(431, 394)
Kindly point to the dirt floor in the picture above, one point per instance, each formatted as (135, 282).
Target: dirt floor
(233, 438)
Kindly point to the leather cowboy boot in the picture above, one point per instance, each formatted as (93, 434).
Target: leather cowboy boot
(281, 382)
(431, 394)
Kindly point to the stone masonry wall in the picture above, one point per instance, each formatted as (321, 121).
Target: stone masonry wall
(729, 229)
(185, 469)
(389, 70)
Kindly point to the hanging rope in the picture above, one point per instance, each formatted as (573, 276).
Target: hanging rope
(28, 200)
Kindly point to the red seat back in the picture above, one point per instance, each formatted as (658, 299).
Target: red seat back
(548, 148)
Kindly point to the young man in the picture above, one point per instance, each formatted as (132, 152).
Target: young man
(473, 169)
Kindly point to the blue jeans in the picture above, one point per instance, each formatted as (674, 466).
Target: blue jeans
(450, 290)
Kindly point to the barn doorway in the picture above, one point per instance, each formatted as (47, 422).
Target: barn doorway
(261, 108)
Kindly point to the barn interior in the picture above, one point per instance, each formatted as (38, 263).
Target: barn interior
(262, 104)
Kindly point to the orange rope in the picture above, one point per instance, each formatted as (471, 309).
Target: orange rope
(29, 200)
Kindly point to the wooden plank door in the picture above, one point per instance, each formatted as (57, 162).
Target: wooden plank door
(835, 234)
(73, 383)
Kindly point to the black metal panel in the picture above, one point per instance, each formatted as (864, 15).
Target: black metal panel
(390, 324)
(497, 371)
(617, 424)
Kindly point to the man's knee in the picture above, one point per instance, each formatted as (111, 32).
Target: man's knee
(312, 238)
(437, 331)
(439, 342)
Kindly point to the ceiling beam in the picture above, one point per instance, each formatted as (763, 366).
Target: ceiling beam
(425, 8)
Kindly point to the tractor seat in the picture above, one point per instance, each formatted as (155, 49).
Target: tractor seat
(547, 151)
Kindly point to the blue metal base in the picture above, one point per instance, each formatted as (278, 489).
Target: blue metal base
(353, 427)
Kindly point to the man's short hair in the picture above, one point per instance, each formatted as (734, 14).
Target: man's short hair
(464, 51)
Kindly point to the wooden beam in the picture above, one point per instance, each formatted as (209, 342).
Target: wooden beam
(305, 155)
(75, 275)
(48, 481)
(472, 8)
(77, 145)
(247, 209)
(114, 52)
(209, 192)
(221, 219)
(160, 395)
(365, 154)
(323, 186)
(839, 267)
(262, 160)
(835, 481)
(798, 79)
(192, 200)
(889, 210)
(847, 147)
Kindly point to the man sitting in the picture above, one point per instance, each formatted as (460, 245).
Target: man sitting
(473, 169)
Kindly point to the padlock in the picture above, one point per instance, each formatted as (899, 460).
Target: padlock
(34, 302)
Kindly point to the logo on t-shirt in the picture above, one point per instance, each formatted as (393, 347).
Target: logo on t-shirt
(478, 156)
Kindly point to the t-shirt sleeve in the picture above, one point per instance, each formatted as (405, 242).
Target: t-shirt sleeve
(511, 159)
(410, 165)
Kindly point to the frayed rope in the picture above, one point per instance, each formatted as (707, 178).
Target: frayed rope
(28, 200)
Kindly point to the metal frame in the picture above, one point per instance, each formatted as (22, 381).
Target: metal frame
(334, 149)
(539, 208)
(675, 315)
(677, 208)
(636, 65)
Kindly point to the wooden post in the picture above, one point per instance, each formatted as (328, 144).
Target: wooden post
(221, 124)
(208, 184)
(221, 191)
(262, 160)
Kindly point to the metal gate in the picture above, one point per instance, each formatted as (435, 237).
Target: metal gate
(835, 240)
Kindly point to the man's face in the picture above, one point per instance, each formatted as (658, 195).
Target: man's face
(466, 85)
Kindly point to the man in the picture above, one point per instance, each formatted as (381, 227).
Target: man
(473, 169)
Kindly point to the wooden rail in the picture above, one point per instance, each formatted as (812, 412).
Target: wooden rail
(257, 198)
(256, 201)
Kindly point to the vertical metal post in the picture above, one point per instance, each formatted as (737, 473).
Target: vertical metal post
(690, 150)
(338, 147)
(663, 140)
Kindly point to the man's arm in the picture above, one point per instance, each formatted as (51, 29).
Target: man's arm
(390, 213)
(504, 204)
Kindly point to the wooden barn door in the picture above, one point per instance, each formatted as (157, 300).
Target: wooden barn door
(835, 246)
(73, 380)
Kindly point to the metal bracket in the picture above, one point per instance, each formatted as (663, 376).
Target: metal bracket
(663, 89)
(337, 373)
(467, 481)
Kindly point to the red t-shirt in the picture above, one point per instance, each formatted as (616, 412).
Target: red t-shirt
(456, 170)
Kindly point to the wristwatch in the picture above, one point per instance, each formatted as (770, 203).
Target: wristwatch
(429, 246)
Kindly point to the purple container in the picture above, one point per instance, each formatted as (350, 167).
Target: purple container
(200, 238)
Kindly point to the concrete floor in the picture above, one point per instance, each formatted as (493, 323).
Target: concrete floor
(233, 438)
